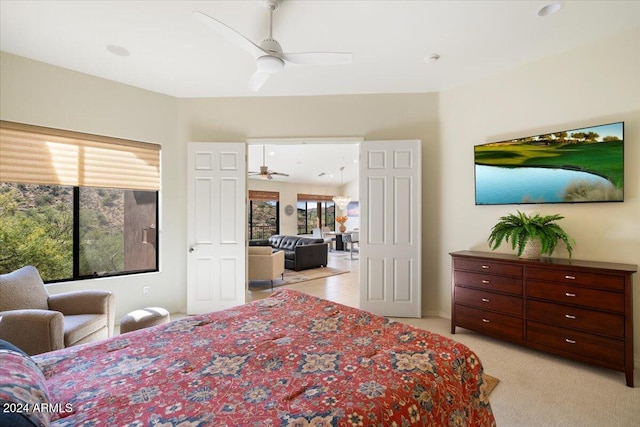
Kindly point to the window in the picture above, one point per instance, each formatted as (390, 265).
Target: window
(37, 229)
(315, 211)
(264, 208)
(56, 217)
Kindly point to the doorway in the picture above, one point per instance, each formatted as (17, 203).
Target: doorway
(305, 175)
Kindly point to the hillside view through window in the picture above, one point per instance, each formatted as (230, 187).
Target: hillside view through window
(116, 230)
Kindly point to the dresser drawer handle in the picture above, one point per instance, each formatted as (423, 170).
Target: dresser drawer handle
(486, 320)
(486, 282)
(569, 316)
(570, 277)
(570, 341)
(486, 267)
(569, 294)
(486, 300)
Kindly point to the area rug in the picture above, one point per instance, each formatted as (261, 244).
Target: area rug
(492, 382)
(291, 277)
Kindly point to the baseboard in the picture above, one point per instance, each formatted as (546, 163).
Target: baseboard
(436, 314)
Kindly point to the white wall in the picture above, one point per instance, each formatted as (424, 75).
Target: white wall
(289, 196)
(36, 93)
(596, 84)
(351, 189)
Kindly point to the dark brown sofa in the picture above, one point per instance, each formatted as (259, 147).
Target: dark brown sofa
(300, 253)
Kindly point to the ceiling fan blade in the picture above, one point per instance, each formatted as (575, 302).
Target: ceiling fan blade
(279, 173)
(318, 58)
(257, 80)
(230, 34)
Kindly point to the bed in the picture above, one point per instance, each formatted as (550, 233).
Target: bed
(288, 360)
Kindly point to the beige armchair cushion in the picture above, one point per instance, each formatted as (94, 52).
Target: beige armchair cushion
(22, 289)
(65, 320)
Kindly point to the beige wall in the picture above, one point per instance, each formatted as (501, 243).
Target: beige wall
(596, 84)
(41, 94)
(373, 117)
(289, 196)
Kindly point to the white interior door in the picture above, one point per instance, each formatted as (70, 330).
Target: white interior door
(390, 222)
(216, 228)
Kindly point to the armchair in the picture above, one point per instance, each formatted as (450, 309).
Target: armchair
(37, 322)
(265, 264)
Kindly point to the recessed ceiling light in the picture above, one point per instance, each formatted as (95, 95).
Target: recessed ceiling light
(118, 50)
(431, 58)
(271, 153)
(550, 9)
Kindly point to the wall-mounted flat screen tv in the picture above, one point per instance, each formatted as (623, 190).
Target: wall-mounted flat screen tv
(571, 166)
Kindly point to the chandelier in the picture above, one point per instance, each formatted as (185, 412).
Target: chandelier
(341, 201)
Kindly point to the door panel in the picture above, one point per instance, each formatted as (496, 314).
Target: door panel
(216, 228)
(390, 239)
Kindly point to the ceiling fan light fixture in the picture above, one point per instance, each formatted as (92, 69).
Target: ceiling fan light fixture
(270, 64)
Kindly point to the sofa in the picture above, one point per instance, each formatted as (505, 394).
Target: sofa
(300, 253)
(264, 264)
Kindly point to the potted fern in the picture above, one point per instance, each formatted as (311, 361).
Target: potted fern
(531, 235)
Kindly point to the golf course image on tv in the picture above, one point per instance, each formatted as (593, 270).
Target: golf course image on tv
(571, 166)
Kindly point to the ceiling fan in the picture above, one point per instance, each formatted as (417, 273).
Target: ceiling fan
(269, 56)
(265, 173)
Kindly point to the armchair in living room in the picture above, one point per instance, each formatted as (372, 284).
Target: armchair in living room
(265, 264)
(37, 322)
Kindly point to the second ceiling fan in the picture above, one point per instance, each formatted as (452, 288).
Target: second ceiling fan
(265, 173)
(270, 58)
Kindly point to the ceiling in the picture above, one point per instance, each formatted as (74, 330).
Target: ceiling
(313, 162)
(172, 53)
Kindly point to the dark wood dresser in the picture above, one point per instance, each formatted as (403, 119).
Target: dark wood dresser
(581, 310)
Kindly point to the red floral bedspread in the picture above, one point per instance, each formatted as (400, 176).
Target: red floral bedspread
(288, 360)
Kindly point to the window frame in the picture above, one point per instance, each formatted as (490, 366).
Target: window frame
(75, 253)
(321, 207)
(45, 156)
(250, 222)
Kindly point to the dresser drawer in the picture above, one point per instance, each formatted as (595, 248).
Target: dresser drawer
(487, 266)
(489, 323)
(490, 282)
(584, 297)
(584, 345)
(576, 318)
(489, 301)
(574, 277)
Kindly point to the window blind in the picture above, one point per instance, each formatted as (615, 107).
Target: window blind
(269, 196)
(38, 155)
(314, 198)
